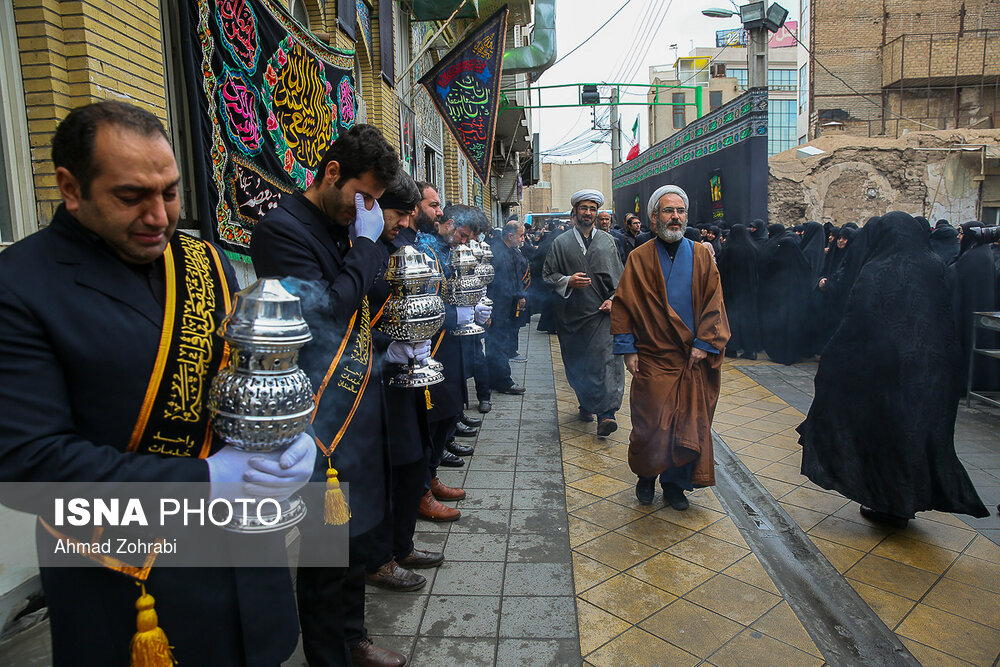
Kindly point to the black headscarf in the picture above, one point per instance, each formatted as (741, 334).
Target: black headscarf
(871, 433)
(944, 243)
(775, 230)
(974, 284)
(717, 241)
(783, 297)
(813, 245)
(737, 263)
(969, 241)
(758, 231)
(925, 223)
(693, 233)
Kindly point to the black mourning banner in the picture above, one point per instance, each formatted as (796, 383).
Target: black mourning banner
(266, 100)
(465, 88)
(720, 160)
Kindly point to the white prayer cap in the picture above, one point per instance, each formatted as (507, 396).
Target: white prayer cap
(654, 201)
(587, 195)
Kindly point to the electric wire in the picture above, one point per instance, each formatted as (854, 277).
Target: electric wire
(601, 27)
(859, 94)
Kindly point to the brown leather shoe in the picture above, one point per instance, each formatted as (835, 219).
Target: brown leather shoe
(395, 578)
(369, 655)
(442, 491)
(422, 559)
(435, 511)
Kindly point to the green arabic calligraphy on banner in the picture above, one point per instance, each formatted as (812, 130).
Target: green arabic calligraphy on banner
(464, 86)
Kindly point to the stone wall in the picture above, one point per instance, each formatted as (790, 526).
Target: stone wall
(923, 173)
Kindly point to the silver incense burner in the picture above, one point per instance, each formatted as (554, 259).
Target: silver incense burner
(413, 313)
(484, 269)
(262, 401)
(464, 288)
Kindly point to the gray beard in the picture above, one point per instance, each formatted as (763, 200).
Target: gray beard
(668, 236)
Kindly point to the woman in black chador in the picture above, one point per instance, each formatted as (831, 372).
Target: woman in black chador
(737, 263)
(783, 297)
(881, 427)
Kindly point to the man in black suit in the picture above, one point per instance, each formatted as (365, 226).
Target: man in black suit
(84, 304)
(327, 238)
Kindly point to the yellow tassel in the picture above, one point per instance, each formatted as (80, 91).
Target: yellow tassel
(427, 398)
(150, 647)
(335, 509)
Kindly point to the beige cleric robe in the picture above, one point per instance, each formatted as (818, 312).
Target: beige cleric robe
(672, 407)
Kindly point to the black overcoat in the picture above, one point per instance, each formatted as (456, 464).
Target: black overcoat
(79, 332)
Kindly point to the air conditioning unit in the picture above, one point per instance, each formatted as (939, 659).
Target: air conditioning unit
(717, 70)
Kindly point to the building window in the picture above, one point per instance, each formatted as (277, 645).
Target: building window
(803, 87)
(782, 131)
(714, 99)
(781, 79)
(299, 12)
(17, 203)
(679, 111)
(740, 75)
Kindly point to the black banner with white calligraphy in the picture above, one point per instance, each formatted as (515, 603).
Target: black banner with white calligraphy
(465, 87)
(266, 99)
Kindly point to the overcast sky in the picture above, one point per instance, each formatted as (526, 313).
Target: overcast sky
(639, 36)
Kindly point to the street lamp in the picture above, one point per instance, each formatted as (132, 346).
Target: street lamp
(757, 23)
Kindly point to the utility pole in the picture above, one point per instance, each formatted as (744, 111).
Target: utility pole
(616, 143)
(757, 57)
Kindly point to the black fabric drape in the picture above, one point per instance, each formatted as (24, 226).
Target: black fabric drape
(347, 18)
(944, 243)
(738, 270)
(387, 53)
(974, 283)
(872, 434)
(783, 297)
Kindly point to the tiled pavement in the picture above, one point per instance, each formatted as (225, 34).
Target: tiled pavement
(504, 595)
(658, 587)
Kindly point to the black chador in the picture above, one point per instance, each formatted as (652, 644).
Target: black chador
(783, 296)
(738, 269)
(872, 434)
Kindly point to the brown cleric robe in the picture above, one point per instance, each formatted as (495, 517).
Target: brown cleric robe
(671, 407)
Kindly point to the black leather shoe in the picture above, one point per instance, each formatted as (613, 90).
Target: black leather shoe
(449, 460)
(888, 519)
(459, 450)
(485, 406)
(464, 431)
(518, 358)
(421, 559)
(514, 389)
(644, 490)
(674, 495)
(474, 422)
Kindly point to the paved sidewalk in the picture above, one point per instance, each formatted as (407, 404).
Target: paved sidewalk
(656, 586)
(504, 595)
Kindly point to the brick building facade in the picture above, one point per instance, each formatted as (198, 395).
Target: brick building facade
(922, 64)
(56, 55)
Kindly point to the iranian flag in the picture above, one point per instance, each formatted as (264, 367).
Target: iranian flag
(634, 151)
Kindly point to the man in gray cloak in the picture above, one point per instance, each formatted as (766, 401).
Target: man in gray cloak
(583, 268)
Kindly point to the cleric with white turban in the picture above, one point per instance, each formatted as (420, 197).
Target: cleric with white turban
(654, 201)
(587, 195)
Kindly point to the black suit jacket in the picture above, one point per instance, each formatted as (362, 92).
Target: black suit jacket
(295, 240)
(79, 332)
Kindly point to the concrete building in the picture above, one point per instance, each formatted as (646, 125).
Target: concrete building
(903, 65)
(560, 181)
(721, 71)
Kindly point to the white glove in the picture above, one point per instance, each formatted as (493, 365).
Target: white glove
(483, 313)
(399, 353)
(279, 477)
(465, 315)
(421, 350)
(368, 224)
(225, 471)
